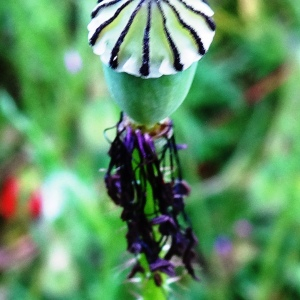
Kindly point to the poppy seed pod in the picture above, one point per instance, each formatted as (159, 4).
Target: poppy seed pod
(149, 49)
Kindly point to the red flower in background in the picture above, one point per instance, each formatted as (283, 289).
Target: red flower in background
(9, 197)
(35, 204)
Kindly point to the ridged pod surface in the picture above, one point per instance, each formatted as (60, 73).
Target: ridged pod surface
(148, 48)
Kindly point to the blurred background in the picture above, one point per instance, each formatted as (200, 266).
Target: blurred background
(60, 235)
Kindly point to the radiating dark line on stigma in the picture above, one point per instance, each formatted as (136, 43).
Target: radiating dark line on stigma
(113, 62)
(192, 31)
(94, 37)
(145, 69)
(209, 21)
(177, 63)
(98, 8)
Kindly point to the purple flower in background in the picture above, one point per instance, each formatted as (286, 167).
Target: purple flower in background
(243, 228)
(73, 61)
(223, 246)
(144, 178)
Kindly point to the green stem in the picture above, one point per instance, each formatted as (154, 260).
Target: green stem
(150, 290)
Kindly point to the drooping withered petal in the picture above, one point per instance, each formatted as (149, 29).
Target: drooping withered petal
(144, 178)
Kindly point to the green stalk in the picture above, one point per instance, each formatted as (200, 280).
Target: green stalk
(150, 290)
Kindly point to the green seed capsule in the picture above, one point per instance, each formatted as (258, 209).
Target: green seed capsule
(150, 49)
(148, 101)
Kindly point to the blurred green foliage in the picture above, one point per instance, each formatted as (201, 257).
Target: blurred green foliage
(240, 121)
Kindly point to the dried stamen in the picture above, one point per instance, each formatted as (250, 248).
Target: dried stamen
(152, 198)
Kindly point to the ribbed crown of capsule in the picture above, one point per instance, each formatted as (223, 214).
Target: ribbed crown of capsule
(151, 38)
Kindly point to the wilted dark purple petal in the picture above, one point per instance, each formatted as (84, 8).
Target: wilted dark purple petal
(149, 142)
(135, 248)
(189, 253)
(113, 186)
(163, 219)
(163, 266)
(181, 188)
(140, 140)
(157, 279)
(137, 268)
